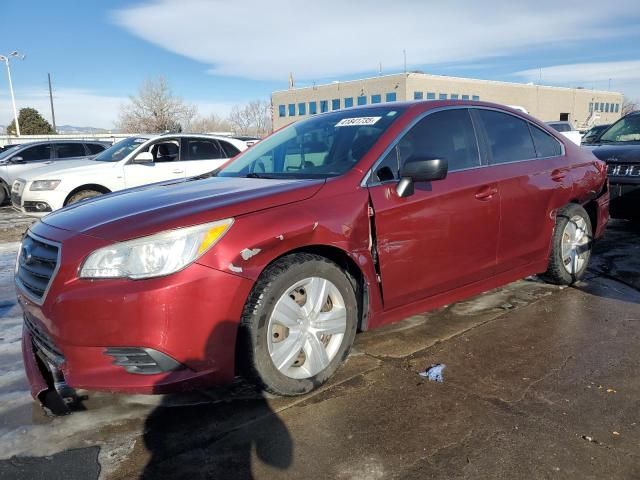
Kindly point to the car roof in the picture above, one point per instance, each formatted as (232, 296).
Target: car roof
(50, 142)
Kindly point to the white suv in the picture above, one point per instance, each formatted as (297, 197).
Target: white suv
(129, 163)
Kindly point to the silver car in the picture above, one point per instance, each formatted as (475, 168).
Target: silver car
(16, 160)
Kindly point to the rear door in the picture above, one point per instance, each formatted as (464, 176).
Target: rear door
(167, 164)
(533, 178)
(29, 159)
(444, 235)
(69, 151)
(202, 155)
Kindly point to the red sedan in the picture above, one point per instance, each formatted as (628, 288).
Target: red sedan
(343, 222)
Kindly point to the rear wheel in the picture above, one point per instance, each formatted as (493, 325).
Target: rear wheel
(571, 246)
(4, 193)
(299, 324)
(83, 195)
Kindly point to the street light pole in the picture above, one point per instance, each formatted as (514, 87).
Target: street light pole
(5, 58)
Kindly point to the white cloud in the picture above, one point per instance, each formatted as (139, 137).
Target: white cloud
(624, 75)
(266, 40)
(72, 106)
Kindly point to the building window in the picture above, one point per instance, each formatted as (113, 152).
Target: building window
(313, 108)
(376, 98)
(590, 107)
(602, 106)
(362, 100)
(302, 109)
(417, 95)
(454, 96)
(475, 98)
(465, 97)
(390, 97)
(282, 111)
(348, 102)
(442, 96)
(335, 104)
(595, 107)
(606, 107)
(324, 106)
(617, 107)
(292, 109)
(431, 95)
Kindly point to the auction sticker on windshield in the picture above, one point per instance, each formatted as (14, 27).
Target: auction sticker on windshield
(357, 121)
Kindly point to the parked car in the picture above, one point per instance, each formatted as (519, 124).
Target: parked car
(592, 136)
(20, 159)
(619, 146)
(7, 147)
(129, 163)
(566, 129)
(346, 221)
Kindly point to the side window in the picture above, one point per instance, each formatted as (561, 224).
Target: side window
(69, 150)
(508, 137)
(229, 150)
(167, 151)
(203, 150)
(35, 154)
(448, 135)
(95, 148)
(546, 145)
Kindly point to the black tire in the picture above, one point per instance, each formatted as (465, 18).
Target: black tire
(556, 272)
(4, 193)
(254, 358)
(83, 195)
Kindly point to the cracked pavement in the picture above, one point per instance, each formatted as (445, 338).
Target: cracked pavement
(541, 382)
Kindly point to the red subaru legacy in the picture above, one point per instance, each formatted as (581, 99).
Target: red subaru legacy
(267, 268)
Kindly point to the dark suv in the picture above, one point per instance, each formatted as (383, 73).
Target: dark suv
(18, 159)
(619, 146)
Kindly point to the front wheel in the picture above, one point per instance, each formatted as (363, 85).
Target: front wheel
(571, 246)
(82, 196)
(298, 324)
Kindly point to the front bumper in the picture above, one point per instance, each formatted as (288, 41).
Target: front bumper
(191, 316)
(625, 198)
(37, 204)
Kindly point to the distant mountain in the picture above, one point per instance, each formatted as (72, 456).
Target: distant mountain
(73, 129)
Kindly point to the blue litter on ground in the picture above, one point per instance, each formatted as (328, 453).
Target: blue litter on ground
(434, 373)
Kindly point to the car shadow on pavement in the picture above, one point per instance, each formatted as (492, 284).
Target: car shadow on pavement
(216, 433)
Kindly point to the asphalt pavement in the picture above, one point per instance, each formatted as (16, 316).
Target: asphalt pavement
(540, 382)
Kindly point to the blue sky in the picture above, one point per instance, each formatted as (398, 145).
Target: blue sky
(219, 53)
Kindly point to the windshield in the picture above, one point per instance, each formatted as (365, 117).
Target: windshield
(118, 151)
(320, 147)
(626, 129)
(8, 152)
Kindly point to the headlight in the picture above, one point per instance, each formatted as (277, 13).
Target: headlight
(155, 255)
(44, 185)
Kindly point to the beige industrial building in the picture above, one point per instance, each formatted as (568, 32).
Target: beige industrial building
(583, 108)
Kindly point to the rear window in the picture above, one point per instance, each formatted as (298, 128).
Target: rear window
(560, 127)
(69, 150)
(508, 137)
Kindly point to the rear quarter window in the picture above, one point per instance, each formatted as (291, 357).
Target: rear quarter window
(545, 144)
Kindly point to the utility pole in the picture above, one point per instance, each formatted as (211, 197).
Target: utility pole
(53, 114)
(404, 53)
(5, 59)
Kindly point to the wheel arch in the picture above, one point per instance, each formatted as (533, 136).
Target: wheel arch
(89, 186)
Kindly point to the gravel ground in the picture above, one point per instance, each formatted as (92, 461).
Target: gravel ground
(12, 224)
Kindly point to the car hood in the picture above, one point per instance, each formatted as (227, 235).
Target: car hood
(164, 206)
(618, 153)
(63, 167)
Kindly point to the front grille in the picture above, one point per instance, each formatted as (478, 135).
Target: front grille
(16, 193)
(623, 170)
(42, 342)
(37, 264)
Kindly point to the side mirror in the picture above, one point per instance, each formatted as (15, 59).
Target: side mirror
(420, 170)
(143, 158)
(17, 159)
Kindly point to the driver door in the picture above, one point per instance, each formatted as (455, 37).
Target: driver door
(166, 165)
(444, 235)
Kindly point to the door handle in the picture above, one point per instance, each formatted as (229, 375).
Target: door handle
(178, 171)
(558, 175)
(486, 193)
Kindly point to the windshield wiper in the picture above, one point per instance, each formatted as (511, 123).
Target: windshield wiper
(259, 175)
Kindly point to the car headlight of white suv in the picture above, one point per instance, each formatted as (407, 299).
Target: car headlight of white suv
(156, 255)
(40, 185)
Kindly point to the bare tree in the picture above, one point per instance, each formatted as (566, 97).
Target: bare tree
(629, 106)
(210, 124)
(253, 118)
(155, 109)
